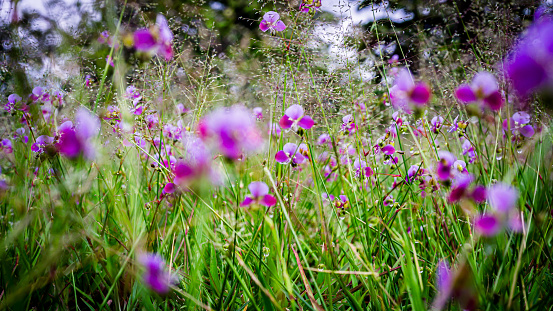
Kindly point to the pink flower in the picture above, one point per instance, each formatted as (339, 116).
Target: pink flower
(445, 164)
(231, 130)
(258, 113)
(519, 124)
(271, 21)
(6, 145)
(483, 89)
(487, 225)
(308, 5)
(502, 198)
(293, 117)
(259, 195)
(406, 92)
(155, 40)
(74, 141)
(290, 153)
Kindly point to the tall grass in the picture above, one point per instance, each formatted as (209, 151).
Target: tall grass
(72, 230)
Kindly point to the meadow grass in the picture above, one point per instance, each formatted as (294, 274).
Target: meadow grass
(73, 228)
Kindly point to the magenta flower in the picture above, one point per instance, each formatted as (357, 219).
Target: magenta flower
(459, 187)
(444, 284)
(156, 40)
(290, 153)
(348, 124)
(181, 109)
(271, 21)
(361, 168)
(258, 113)
(231, 130)
(293, 117)
(41, 142)
(259, 195)
(479, 194)
(74, 141)
(405, 92)
(445, 164)
(13, 99)
(308, 5)
(468, 150)
(483, 89)
(487, 225)
(156, 277)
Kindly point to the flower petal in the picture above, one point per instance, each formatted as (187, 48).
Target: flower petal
(268, 200)
(247, 201)
(502, 197)
(271, 17)
(285, 122)
(281, 157)
(465, 94)
(306, 122)
(144, 40)
(258, 189)
(263, 26)
(487, 225)
(494, 101)
(280, 26)
(527, 131)
(421, 94)
(294, 112)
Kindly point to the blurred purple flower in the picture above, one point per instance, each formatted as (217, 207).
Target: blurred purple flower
(259, 195)
(324, 139)
(459, 187)
(6, 145)
(483, 89)
(258, 113)
(232, 130)
(156, 39)
(468, 150)
(274, 129)
(487, 225)
(293, 117)
(529, 65)
(348, 124)
(156, 277)
(502, 198)
(271, 21)
(405, 92)
(74, 141)
(445, 163)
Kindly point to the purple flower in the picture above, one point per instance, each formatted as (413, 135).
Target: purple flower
(459, 187)
(6, 145)
(468, 150)
(41, 142)
(156, 277)
(487, 225)
(437, 123)
(361, 168)
(308, 5)
(479, 194)
(181, 109)
(258, 113)
(231, 130)
(271, 21)
(520, 124)
(74, 141)
(348, 124)
(12, 100)
(502, 198)
(445, 164)
(169, 188)
(483, 89)
(388, 149)
(460, 167)
(156, 39)
(444, 284)
(405, 92)
(109, 60)
(290, 153)
(293, 117)
(324, 139)
(529, 65)
(259, 195)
